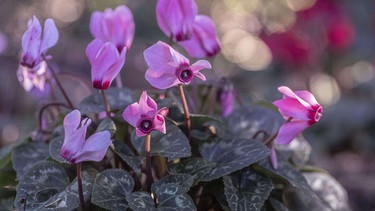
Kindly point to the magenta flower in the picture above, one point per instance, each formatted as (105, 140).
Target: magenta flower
(204, 41)
(176, 18)
(106, 62)
(114, 26)
(34, 43)
(226, 96)
(300, 108)
(145, 116)
(30, 78)
(168, 68)
(75, 148)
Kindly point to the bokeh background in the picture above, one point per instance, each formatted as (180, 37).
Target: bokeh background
(325, 46)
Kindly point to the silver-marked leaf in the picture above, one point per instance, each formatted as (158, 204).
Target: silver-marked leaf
(231, 154)
(325, 186)
(110, 189)
(197, 167)
(118, 98)
(128, 156)
(107, 124)
(46, 187)
(246, 121)
(246, 189)
(26, 155)
(184, 180)
(299, 150)
(168, 197)
(172, 145)
(55, 147)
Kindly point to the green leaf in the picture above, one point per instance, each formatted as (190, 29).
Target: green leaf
(184, 180)
(246, 121)
(118, 98)
(110, 189)
(231, 154)
(325, 186)
(6, 203)
(26, 155)
(46, 187)
(107, 124)
(128, 156)
(246, 189)
(168, 197)
(8, 176)
(172, 145)
(55, 147)
(5, 154)
(197, 167)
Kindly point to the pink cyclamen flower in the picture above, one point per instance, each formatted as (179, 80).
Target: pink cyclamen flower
(226, 96)
(301, 108)
(75, 148)
(116, 26)
(35, 43)
(167, 67)
(106, 62)
(145, 116)
(176, 18)
(33, 78)
(204, 41)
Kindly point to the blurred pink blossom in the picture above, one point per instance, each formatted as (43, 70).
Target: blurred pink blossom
(116, 26)
(226, 96)
(75, 148)
(167, 67)
(145, 116)
(30, 78)
(203, 41)
(301, 110)
(176, 18)
(106, 62)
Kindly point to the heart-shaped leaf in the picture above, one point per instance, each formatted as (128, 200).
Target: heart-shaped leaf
(128, 156)
(184, 180)
(107, 124)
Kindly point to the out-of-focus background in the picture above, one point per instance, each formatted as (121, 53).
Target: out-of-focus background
(326, 46)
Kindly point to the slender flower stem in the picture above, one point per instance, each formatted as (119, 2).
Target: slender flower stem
(148, 161)
(186, 110)
(57, 104)
(80, 191)
(58, 82)
(270, 139)
(106, 104)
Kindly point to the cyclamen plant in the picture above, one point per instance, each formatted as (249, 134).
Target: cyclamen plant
(153, 154)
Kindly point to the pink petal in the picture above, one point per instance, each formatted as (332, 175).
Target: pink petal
(115, 69)
(161, 80)
(307, 97)
(290, 130)
(273, 158)
(96, 25)
(159, 123)
(131, 114)
(50, 35)
(199, 65)
(147, 106)
(178, 58)
(289, 93)
(123, 36)
(158, 58)
(139, 133)
(31, 40)
(93, 48)
(94, 149)
(290, 107)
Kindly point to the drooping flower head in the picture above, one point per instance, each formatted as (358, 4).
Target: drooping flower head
(35, 42)
(145, 116)
(33, 78)
(176, 18)
(76, 148)
(116, 26)
(225, 96)
(301, 107)
(167, 67)
(106, 62)
(203, 41)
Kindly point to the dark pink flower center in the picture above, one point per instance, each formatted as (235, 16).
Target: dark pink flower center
(315, 114)
(184, 73)
(145, 125)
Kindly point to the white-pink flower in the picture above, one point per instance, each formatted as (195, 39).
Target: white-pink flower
(301, 108)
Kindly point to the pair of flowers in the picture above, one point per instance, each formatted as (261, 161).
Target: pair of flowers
(178, 20)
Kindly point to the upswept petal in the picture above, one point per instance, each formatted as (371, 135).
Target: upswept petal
(200, 75)
(124, 17)
(178, 58)
(50, 35)
(96, 25)
(139, 133)
(159, 122)
(158, 58)
(115, 69)
(290, 107)
(290, 130)
(161, 80)
(131, 114)
(72, 121)
(199, 65)
(31, 40)
(94, 148)
(147, 106)
(307, 97)
(93, 48)
(289, 93)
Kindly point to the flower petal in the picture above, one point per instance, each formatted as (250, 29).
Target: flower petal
(50, 35)
(288, 93)
(290, 107)
(31, 40)
(199, 65)
(93, 48)
(159, 123)
(131, 114)
(94, 149)
(158, 58)
(290, 130)
(273, 157)
(161, 80)
(307, 97)
(147, 106)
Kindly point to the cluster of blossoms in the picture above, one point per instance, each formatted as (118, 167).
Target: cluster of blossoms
(113, 32)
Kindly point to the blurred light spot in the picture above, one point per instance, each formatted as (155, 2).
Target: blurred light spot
(65, 11)
(278, 17)
(297, 5)
(363, 71)
(10, 133)
(325, 89)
